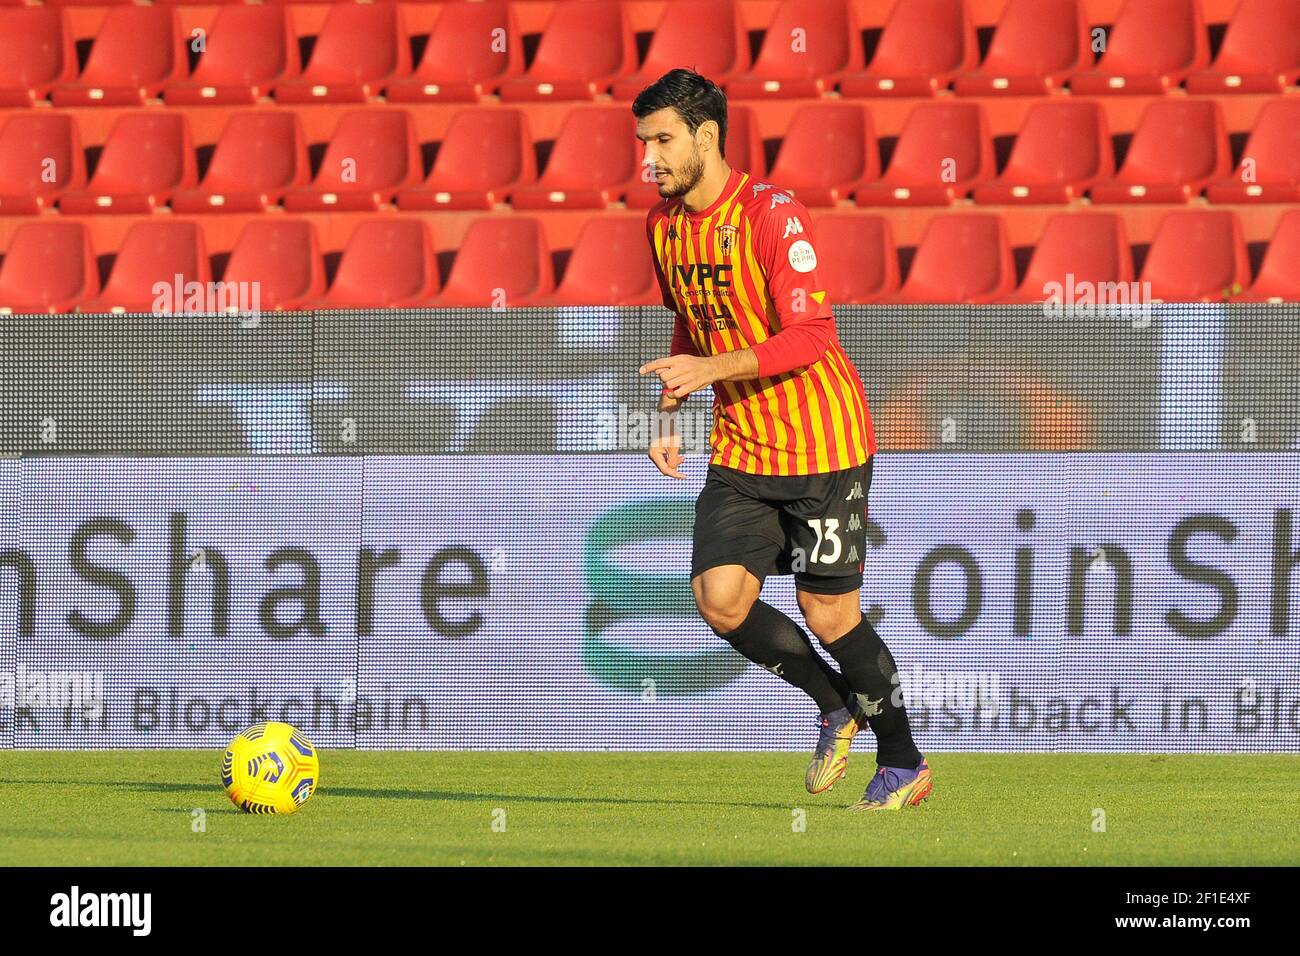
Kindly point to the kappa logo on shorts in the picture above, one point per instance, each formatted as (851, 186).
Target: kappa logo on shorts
(852, 556)
(854, 523)
(855, 493)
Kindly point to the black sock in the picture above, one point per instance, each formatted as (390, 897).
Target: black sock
(870, 669)
(834, 677)
(773, 641)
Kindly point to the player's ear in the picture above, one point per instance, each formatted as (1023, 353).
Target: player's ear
(706, 137)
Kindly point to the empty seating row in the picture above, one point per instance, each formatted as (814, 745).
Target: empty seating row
(276, 264)
(830, 153)
(504, 261)
(1082, 257)
(588, 49)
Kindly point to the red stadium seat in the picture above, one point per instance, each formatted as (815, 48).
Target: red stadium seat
(49, 267)
(34, 147)
(1260, 52)
(809, 46)
(171, 253)
(1270, 166)
(610, 265)
(372, 155)
(744, 151)
(503, 262)
(486, 153)
(387, 264)
(707, 35)
(585, 48)
(137, 51)
(858, 262)
(1279, 273)
(248, 49)
(259, 156)
(1153, 45)
(360, 48)
(36, 53)
(146, 158)
(1078, 251)
(943, 150)
(282, 258)
(961, 258)
(457, 65)
(828, 149)
(923, 47)
(1037, 46)
(592, 165)
(1197, 256)
(1062, 148)
(1178, 147)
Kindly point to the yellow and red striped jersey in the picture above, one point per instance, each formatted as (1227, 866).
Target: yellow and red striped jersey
(737, 275)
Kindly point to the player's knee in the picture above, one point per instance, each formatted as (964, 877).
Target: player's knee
(824, 624)
(724, 605)
(828, 616)
(723, 616)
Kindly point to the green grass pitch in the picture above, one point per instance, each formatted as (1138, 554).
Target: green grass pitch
(79, 808)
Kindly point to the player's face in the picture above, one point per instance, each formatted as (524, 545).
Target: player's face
(671, 152)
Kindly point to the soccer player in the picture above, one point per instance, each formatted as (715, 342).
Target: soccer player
(792, 439)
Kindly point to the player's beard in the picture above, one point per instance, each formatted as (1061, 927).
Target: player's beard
(685, 177)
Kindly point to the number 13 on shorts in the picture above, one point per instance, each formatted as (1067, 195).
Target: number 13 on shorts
(828, 546)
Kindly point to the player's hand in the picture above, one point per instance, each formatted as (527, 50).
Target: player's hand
(683, 374)
(666, 453)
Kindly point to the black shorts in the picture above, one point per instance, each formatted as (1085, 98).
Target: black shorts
(811, 526)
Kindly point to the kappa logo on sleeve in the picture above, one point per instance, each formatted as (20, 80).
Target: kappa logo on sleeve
(803, 258)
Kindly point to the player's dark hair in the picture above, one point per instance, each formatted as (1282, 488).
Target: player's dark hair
(696, 99)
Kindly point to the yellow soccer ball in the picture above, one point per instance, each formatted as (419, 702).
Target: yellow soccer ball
(270, 768)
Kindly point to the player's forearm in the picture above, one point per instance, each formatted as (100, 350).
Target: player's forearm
(735, 366)
(666, 417)
(796, 346)
(667, 403)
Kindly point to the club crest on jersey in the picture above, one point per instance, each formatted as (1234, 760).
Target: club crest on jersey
(727, 239)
